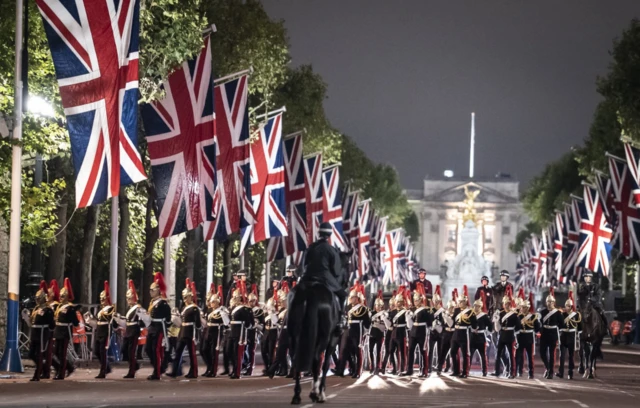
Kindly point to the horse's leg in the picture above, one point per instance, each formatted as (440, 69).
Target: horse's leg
(581, 355)
(587, 359)
(315, 383)
(323, 381)
(296, 390)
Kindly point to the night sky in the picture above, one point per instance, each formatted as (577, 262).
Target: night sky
(404, 76)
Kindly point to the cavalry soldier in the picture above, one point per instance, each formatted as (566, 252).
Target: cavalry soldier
(216, 320)
(465, 320)
(486, 291)
(273, 290)
(422, 278)
(480, 332)
(421, 320)
(446, 319)
(589, 292)
(190, 323)
(291, 269)
(160, 313)
(388, 338)
(569, 335)
(66, 318)
(53, 300)
(279, 365)
(552, 323)
(42, 323)
(380, 323)
(435, 334)
(500, 289)
(527, 335)
(507, 324)
(135, 319)
(359, 321)
(105, 323)
(399, 333)
(256, 330)
(241, 321)
(270, 336)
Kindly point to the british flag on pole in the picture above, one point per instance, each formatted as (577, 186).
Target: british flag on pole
(313, 194)
(350, 217)
(595, 234)
(558, 240)
(267, 185)
(364, 237)
(633, 161)
(392, 257)
(94, 45)
(570, 250)
(626, 237)
(332, 205)
(234, 208)
(180, 137)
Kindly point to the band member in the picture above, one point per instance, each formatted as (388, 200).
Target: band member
(190, 322)
(42, 324)
(380, 323)
(506, 324)
(419, 323)
(488, 295)
(422, 278)
(241, 321)
(465, 320)
(66, 318)
(105, 324)
(359, 321)
(447, 322)
(435, 334)
(527, 335)
(552, 322)
(389, 337)
(160, 313)
(399, 334)
(500, 289)
(480, 333)
(270, 336)
(569, 335)
(135, 319)
(279, 365)
(53, 300)
(255, 331)
(217, 320)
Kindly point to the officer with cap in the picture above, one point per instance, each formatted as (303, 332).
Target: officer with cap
(426, 284)
(589, 292)
(500, 289)
(487, 298)
(290, 275)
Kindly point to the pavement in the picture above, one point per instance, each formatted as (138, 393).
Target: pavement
(617, 384)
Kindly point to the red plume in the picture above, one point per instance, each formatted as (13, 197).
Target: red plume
(158, 278)
(285, 287)
(420, 289)
(438, 291)
(187, 283)
(379, 293)
(484, 301)
(510, 292)
(67, 285)
(212, 288)
(220, 294)
(552, 291)
(254, 289)
(43, 286)
(465, 291)
(454, 295)
(55, 289)
(531, 300)
(394, 293)
(195, 292)
(132, 288)
(521, 294)
(293, 284)
(573, 303)
(107, 292)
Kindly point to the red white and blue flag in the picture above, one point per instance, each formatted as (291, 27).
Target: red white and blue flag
(332, 205)
(595, 234)
(267, 185)
(558, 240)
(571, 247)
(392, 257)
(633, 161)
(350, 218)
(180, 132)
(234, 207)
(364, 237)
(94, 46)
(313, 194)
(626, 237)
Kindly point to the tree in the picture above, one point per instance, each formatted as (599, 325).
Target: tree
(604, 136)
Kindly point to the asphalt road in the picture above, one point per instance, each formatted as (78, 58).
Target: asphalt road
(617, 384)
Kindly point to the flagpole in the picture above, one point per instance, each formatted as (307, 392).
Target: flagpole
(637, 339)
(113, 255)
(272, 113)
(210, 252)
(233, 76)
(11, 360)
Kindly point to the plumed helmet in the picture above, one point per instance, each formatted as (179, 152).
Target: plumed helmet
(253, 296)
(283, 293)
(194, 291)
(552, 296)
(400, 296)
(67, 290)
(507, 299)
(465, 295)
(131, 292)
(212, 290)
(54, 290)
(41, 294)
(570, 303)
(520, 299)
(478, 303)
(392, 300)
(379, 300)
(357, 290)
(158, 283)
(437, 295)
(105, 295)
(187, 291)
(419, 294)
(217, 295)
(454, 295)
(451, 304)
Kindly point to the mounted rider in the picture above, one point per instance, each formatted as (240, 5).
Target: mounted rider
(589, 292)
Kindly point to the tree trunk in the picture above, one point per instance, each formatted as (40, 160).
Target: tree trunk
(90, 227)
(123, 233)
(58, 251)
(151, 238)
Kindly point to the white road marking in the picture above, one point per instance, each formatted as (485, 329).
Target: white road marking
(581, 404)
(278, 387)
(546, 386)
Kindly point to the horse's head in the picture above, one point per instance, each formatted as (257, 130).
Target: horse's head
(345, 261)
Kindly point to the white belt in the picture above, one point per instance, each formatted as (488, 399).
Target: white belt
(157, 320)
(550, 327)
(508, 328)
(63, 324)
(132, 323)
(525, 331)
(213, 324)
(449, 329)
(236, 322)
(568, 330)
(284, 327)
(380, 327)
(102, 323)
(462, 327)
(355, 322)
(187, 324)
(419, 324)
(39, 326)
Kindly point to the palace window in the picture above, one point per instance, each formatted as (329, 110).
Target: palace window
(489, 230)
(451, 234)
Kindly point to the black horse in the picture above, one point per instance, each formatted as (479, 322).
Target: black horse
(314, 314)
(593, 331)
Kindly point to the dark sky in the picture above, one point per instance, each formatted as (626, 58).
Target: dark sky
(404, 76)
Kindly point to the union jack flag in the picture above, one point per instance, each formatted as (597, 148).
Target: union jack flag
(534, 259)
(267, 185)
(627, 227)
(633, 161)
(558, 240)
(364, 237)
(180, 130)
(94, 46)
(392, 257)
(234, 208)
(541, 277)
(350, 217)
(332, 205)
(595, 234)
(382, 234)
(605, 193)
(570, 251)
(313, 194)
(374, 257)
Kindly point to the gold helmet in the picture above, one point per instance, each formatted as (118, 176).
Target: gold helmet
(41, 294)
(478, 303)
(570, 304)
(67, 291)
(437, 296)
(451, 304)
(464, 299)
(400, 297)
(53, 294)
(239, 294)
(131, 294)
(105, 295)
(419, 295)
(392, 299)
(216, 296)
(159, 285)
(379, 300)
(357, 290)
(283, 293)
(552, 296)
(507, 299)
(253, 295)
(187, 291)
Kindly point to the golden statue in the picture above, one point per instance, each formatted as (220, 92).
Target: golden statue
(469, 210)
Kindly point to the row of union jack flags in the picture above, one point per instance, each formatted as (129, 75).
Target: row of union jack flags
(583, 234)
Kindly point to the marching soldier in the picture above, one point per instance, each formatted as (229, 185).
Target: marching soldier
(66, 318)
(465, 320)
(380, 323)
(419, 322)
(160, 313)
(241, 321)
(507, 324)
(398, 336)
(279, 365)
(53, 300)
(359, 320)
(500, 289)
(389, 336)
(486, 291)
(569, 335)
(190, 323)
(480, 333)
(435, 334)
(270, 336)
(447, 322)
(42, 323)
(135, 319)
(256, 330)
(105, 324)
(552, 322)
(217, 320)
(527, 335)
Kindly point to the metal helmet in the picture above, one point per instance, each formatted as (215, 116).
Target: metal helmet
(105, 295)
(131, 294)
(478, 303)
(551, 298)
(379, 300)
(437, 296)
(419, 295)
(283, 293)
(570, 304)
(392, 299)
(216, 297)
(357, 290)
(464, 299)
(451, 304)
(186, 292)
(159, 285)
(54, 291)
(400, 297)
(41, 294)
(67, 291)
(253, 296)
